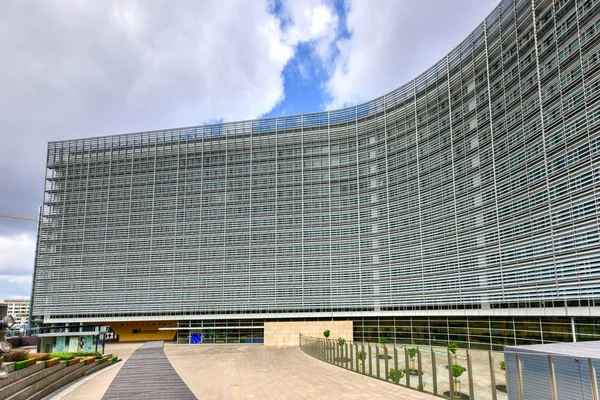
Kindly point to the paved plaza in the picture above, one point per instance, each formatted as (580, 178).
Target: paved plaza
(248, 372)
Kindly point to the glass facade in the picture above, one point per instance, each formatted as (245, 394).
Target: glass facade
(470, 191)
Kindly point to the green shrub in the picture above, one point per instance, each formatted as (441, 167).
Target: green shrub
(326, 333)
(457, 370)
(383, 340)
(15, 355)
(395, 373)
(63, 356)
(361, 355)
(502, 365)
(24, 364)
(412, 352)
(452, 347)
(341, 341)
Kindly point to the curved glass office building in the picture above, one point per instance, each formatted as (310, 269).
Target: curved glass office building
(462, 206)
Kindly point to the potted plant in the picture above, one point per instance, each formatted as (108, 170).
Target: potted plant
(383, 341)
(412, 353)
(452, 347)
(341, 342)
(457, 371)
(502, 387)
(361, 356)
(395, 375)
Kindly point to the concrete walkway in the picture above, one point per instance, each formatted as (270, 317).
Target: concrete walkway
(234, 372)
(256, 372)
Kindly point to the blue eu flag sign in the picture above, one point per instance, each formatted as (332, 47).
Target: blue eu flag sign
(196, 338)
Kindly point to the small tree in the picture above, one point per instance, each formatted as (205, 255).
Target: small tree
(326, 333)
(395, 375)
(457, 371)
(452, 347)
(362, 356)
(341, 341)
(412, 352)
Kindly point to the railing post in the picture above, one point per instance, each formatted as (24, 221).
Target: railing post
(593, 380)
(362, 349)
(385, 363)
(396, 364)
(406, 367)
(470, 375)
(519, 377)
(492, 375)
(434, 372)
(346, 355)
(450, 377)
(420, 369)
(370, 361)
(377, 360)
(321, 350)
(351, 357)
(552, 378)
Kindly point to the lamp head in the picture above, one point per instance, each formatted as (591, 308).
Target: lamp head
(7, 322)
(5, 347)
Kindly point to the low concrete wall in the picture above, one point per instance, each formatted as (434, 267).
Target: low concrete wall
(279, 334)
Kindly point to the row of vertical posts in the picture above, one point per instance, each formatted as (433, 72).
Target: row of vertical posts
(358, 357)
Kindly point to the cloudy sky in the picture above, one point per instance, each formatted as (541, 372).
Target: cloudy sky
(74, 68)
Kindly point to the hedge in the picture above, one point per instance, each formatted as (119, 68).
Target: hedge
(63, 356)
(24, 364)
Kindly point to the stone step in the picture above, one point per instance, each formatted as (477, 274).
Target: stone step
(14, 376)
(99, 367)
(36, 374)
(48, 380)
(50, 389)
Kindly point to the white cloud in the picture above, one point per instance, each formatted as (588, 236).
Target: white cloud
(312, 21)
(74, 69)
(393, 41)
(17, 256)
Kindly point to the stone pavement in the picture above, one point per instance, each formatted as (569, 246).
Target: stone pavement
(256, 372)
(234, 372)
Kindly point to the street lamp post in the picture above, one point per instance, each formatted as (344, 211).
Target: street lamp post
(6, 322)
